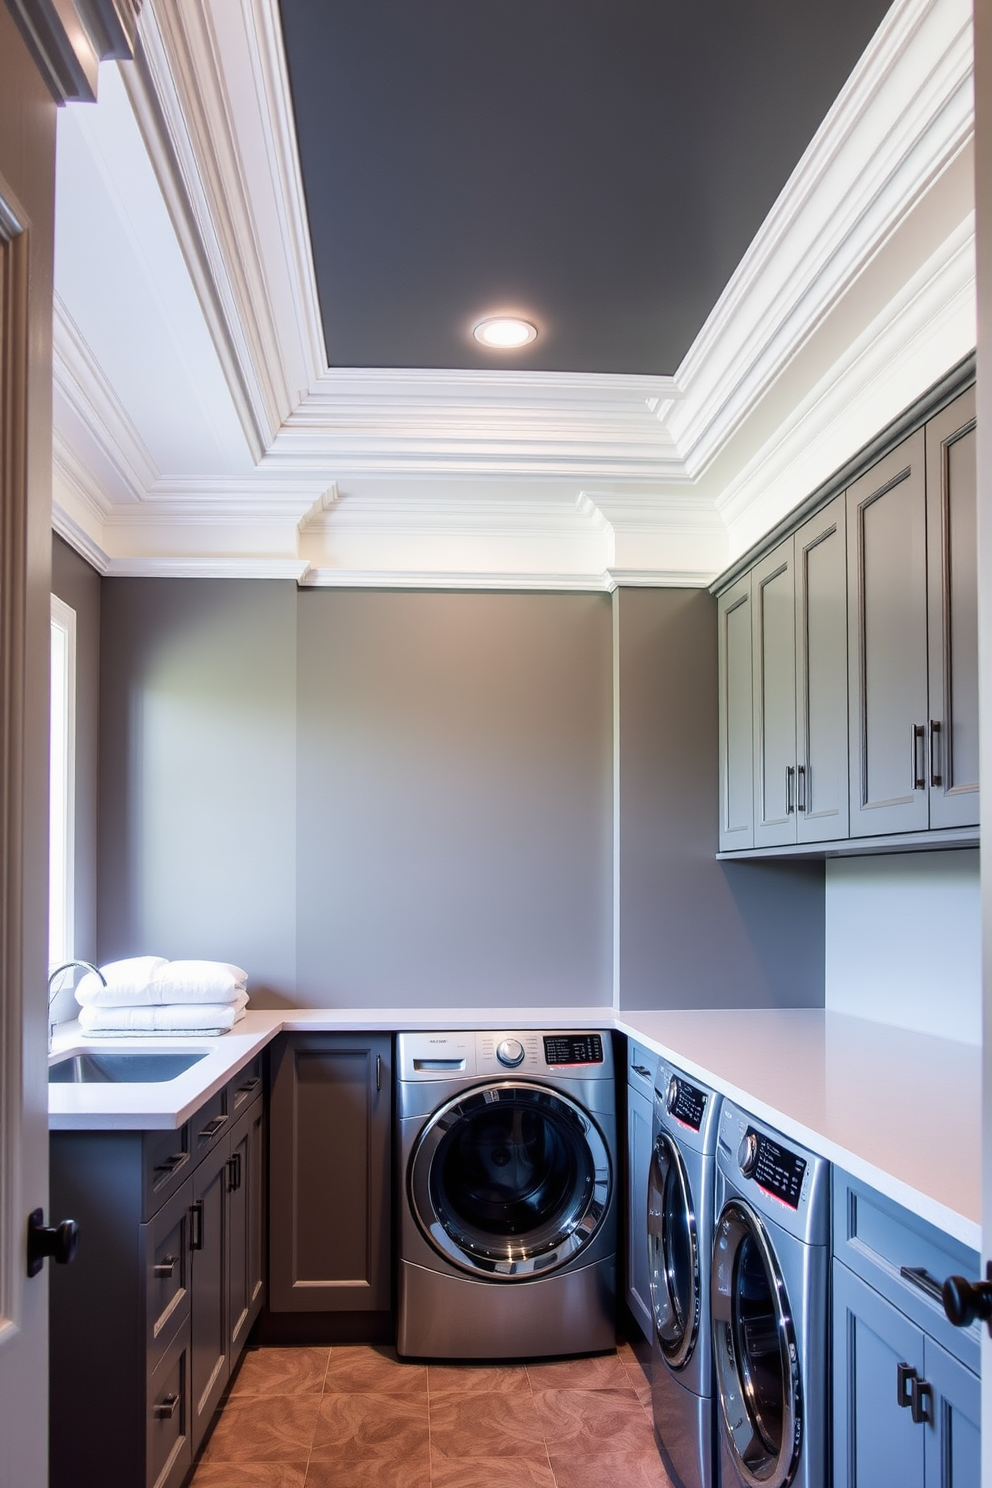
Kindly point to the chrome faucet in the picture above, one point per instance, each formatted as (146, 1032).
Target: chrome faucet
(53, 992)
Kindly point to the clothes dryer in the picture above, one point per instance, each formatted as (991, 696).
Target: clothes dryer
(768, 1291)
(681, 1191)
(507, 1169)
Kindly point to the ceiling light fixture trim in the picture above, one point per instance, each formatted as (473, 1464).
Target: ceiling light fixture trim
(504, 332)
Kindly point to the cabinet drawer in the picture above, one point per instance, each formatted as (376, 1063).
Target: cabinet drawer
(166, 1163)
(168, 1448)
(165, 1246)
(245, 1087)
(209, 1124)
(642, 1067)
(880, 1241)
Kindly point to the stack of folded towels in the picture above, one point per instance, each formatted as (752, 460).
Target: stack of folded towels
(147, 994)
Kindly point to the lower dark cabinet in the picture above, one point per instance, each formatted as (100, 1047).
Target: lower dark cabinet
(148, 1323)
(329, 1194)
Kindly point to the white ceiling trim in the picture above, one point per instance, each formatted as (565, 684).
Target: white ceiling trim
(904, 116)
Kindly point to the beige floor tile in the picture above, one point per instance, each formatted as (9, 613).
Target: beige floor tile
(253, 1428)
(484, 1425)
(357, 1427)
(362, 1369)
(281, 1371)
(592, 1421)
(503, 1472)
(601, 1372)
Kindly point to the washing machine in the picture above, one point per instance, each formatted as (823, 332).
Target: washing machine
(507, 1163)
(681, 1190)
(768, 1294)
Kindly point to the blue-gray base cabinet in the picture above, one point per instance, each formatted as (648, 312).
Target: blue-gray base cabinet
(906, 1388)
(642, 1066)
(148, 1322)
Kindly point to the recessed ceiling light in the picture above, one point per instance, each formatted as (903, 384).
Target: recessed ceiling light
(504, 332)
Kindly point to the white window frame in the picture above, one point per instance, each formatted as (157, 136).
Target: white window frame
(62, 800)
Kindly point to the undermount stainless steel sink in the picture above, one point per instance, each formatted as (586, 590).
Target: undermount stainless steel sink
(136, 1068)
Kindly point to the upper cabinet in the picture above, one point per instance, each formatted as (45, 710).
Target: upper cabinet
(849, 661)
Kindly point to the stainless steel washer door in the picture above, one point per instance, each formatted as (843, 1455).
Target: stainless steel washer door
(755, 1351)
(510, 1179)
(673, 1253)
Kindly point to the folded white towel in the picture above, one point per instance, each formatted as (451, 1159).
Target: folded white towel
(151, 981)
(130, 983)
(200, 981)
(200, 1017)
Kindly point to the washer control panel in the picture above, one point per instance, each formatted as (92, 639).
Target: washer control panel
(573, 1048)
(685, 1102)
(504, 1051)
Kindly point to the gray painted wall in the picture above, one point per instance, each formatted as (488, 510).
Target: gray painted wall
(455, 832)
(198, 775)
(78, 585)
(694, 932)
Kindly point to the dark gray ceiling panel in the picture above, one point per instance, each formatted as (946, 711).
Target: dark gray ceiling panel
(599, 167)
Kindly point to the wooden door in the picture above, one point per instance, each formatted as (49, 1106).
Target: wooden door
(822, 786)
(887, 644)
(736, 717)
(773, 636)
(952, 554)
(329, 1192)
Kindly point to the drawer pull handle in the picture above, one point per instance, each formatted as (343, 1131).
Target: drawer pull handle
(919, 1277)
(172, 1164)
(789, 775)
(378, 1072)
(905, 1375)
(936, 778)
(213, 1127)
(919, 772)
(166, 1409)
(234, 1172)
(921, 1394)
(250, 1085)
(642, 1070)
(196, 1226)
(801, 787)
(165, 1267)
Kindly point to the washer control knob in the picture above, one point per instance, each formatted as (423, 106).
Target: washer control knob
(747, 1154)
(671, 1099)
(510, 1052)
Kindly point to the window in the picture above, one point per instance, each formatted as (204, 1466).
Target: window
(62, 792)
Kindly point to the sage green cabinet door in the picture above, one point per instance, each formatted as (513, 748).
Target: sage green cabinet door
(329, 1173)
(952, 762)
(822, 789)
(773, 631)
(887, 643)
(736, 737)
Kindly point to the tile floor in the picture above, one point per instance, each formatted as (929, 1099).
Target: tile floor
(353, 1417)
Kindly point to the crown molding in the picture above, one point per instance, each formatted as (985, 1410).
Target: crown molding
(206, 568)
(331, 578)
(80, 380)
(904, 116)
(633, 578)
(927, 328)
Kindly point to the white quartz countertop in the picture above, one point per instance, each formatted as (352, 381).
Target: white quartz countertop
(900, 1110)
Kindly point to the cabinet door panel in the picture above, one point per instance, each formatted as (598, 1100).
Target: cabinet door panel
(209, 1354)
(244, 1182)
(821, 676)
(773, 620)
(876, 1443)
(736, 726)
(639, 1115)
(952, 491)
(953, 1446)
(330, 1118)
(886, 514)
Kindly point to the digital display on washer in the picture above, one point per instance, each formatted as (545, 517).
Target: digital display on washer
(686, 1103)
(573, 1048)
(777, 1170)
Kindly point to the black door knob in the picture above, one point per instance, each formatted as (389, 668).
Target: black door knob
(964, 1301)
(59, 1241)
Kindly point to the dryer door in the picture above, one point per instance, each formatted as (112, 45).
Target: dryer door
(510, 1180)
(673, 1253)
(757, 1363)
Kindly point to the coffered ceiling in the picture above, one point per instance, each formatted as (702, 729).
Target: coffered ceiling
(745, 235)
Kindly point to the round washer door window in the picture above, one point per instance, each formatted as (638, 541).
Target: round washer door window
(755, 1351)
(673, 1253)
(510, 1179)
